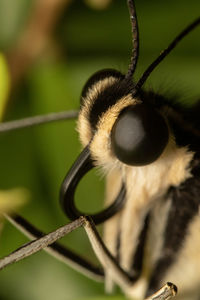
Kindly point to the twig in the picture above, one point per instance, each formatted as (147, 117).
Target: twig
(38, 244)
(37, 120)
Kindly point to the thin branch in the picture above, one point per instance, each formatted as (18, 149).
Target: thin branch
(37, 120)
(38, 244)
(168, 291)
(57, 250)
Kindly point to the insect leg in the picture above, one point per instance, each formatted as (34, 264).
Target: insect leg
(105, 257)
(101, 251)
(38, 244)
(57, 250)
(119, 275)
(168, 291)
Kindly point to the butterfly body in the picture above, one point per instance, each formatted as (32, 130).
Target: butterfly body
(147, 147)
(150, 236)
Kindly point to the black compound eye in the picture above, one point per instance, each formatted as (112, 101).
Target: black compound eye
(139, 135)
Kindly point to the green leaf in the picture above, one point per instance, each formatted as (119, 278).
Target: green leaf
(4, 84)
(12, 199)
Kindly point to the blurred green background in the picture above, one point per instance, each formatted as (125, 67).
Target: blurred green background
(79, 40)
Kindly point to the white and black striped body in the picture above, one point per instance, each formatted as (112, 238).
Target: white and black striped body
(148, 148)
(156, 236)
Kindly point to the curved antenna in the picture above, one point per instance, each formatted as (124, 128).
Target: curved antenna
(37, 120)
(135, 39)
(165, 52)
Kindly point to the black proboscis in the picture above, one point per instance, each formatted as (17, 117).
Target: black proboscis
(82, 165)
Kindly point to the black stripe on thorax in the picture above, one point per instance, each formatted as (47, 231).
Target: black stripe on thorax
(137, 261)
(185, 206)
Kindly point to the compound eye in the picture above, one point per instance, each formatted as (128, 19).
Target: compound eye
(139, 135)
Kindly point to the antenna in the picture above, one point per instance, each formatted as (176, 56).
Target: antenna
(135, 39)
(165, 52)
